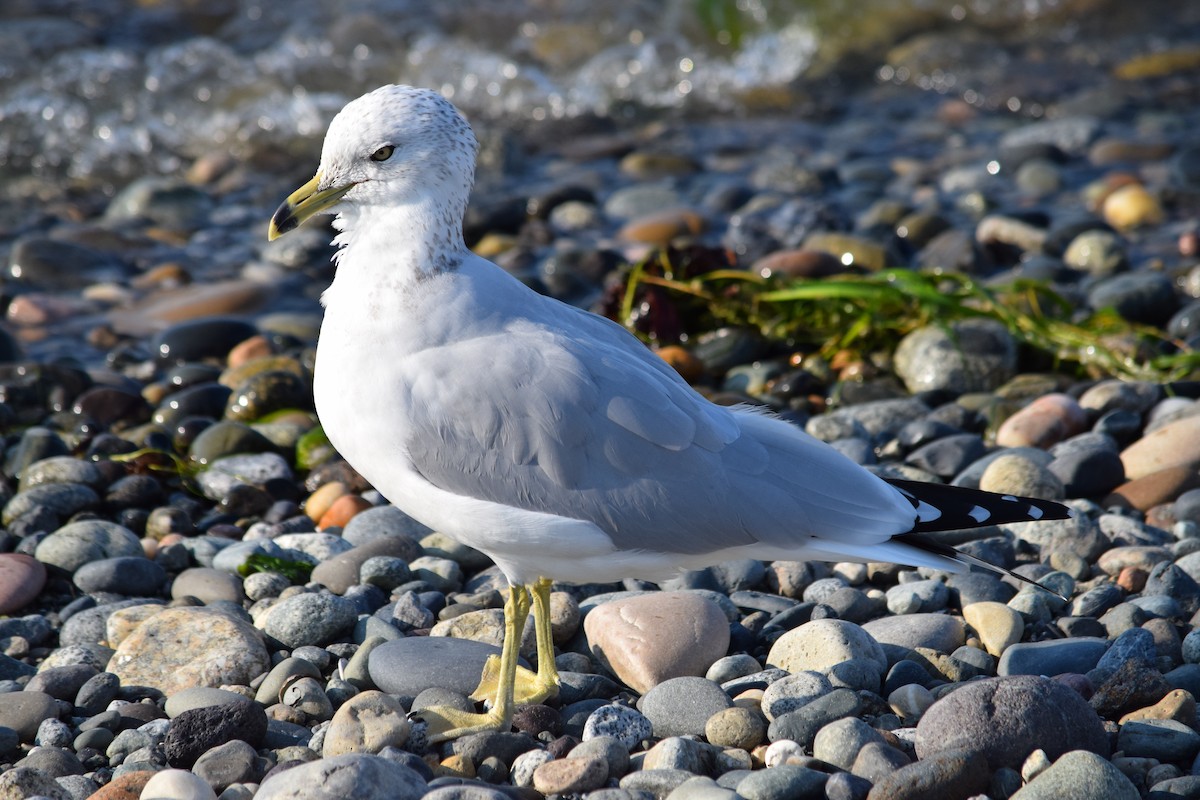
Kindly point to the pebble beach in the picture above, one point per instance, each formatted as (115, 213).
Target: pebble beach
(200, 599)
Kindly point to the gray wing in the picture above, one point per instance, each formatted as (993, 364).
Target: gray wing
(583, 422)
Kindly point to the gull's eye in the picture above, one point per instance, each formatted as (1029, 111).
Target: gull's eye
(383, 153)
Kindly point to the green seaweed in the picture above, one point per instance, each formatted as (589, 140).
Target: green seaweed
(870, 313)
(295, 571)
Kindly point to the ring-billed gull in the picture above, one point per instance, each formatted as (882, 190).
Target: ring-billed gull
(547, 437)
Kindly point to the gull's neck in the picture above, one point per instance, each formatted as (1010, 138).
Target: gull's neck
(393, 247)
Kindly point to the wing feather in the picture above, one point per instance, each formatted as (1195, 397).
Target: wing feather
(593, 426)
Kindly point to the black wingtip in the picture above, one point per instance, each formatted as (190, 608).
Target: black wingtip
(941, 507)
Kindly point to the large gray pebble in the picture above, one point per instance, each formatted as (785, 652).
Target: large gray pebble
(382, 521)
(1053, 657)
(783, 782)
(1006, 719)
(409, 666)
(838, 742)
(939, 632)
(250, 468)
(314, 618)
(76, 544)
(61, 469)
(793, 692)
(133, 576)
(208, 585)
(23, 712)
(62, 499)
(682, 706)
(973, 356)
(1164, 739)
(353, 775)
(822, 643)
(1079, 775)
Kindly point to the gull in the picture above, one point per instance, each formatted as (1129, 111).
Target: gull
(545, 436)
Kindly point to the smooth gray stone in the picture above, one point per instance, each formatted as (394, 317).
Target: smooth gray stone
(681, 706)
(1164, 739)
(132, 576)
(1053, 657)
(408, 666)
(1079, 774)
(352, 775)
(24, 711)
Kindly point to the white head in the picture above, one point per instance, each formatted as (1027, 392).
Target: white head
(394, 147)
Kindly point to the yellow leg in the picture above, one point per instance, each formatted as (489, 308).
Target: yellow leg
(547, 673)
(449, 723)
(529, 687)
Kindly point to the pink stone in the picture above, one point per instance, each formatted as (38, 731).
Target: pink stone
(648, 639)
(21, 579)
(1044, 422)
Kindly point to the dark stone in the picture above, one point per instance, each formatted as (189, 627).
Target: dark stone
(57, 265)
(1088, 473)
(61, 683)
(1134, 685)
(950, 455)
(109, 405)
(200, 729)
(200, 400)
(265, 392)
(195, 340)
(134, 491)
(1143, 296)
(534, 719)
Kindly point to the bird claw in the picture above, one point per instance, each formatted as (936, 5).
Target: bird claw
(528, 687)
(444, 723)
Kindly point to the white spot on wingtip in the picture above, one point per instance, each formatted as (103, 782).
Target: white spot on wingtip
(979, 513)
(926, 512)
(1035, 512)
(1010, 498)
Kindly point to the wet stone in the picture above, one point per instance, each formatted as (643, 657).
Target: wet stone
(61, 265)
(195, 340)
(1146, 297)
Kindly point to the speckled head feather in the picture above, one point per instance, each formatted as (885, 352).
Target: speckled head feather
(402, 148)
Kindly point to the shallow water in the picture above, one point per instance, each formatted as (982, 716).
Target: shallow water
(111, 89)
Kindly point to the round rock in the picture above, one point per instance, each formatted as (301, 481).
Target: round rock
(362, 777)
(1079, 775)
(647, 639)
(820, 644)
(367, 723)
(1006, 719)
(311, 618)
(21, 580)
(409, 666)
(76, 544)
(682, 706)
(179, 648)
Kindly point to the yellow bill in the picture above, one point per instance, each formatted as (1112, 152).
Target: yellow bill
(302, 204)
